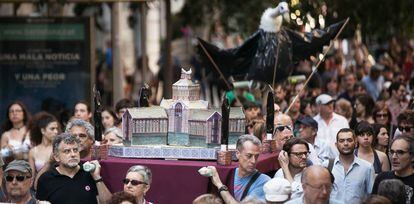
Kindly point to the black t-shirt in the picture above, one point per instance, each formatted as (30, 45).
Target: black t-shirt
(408, 181)
(57, 188)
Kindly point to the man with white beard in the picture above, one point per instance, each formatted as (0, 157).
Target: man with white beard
(68, 182)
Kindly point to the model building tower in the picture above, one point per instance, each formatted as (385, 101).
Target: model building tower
(184, 89)
(185, 101)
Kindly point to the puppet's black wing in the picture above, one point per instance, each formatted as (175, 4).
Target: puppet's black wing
(312, 43)
(231, 62)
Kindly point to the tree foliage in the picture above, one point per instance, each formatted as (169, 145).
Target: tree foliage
(378, 19)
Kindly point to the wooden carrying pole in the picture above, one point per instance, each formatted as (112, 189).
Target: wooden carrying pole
(316, 67)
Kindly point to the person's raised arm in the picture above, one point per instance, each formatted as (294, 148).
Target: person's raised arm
(223, 190)
(284, 164)
(104, 195)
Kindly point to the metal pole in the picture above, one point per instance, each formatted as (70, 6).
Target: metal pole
(118, 79)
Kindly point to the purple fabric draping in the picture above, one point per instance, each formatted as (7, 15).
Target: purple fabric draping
(175, 181)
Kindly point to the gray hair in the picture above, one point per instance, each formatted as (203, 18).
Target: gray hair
(144, 171)
(81, 123)
(392, 189)
(244, 138)
(66, 138)
(114, 130)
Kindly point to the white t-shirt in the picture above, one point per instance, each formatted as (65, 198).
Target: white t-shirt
(327, 132)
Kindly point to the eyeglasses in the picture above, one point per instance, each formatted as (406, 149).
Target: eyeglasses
(405, 128)
(399, 153)
(379, 115)
(300, 154)
(18, 178)
(133, 182)
(328, 188)
(282, 127)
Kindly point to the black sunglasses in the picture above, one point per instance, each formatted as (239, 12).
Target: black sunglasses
(133, 182)
(282, 127)
(18, 178)
(404, 128)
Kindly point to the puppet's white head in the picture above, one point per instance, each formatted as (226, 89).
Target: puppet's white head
(272, 18)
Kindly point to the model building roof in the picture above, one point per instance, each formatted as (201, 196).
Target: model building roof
(203, 115)
(236, 112)
(199, 104)
(148, 112)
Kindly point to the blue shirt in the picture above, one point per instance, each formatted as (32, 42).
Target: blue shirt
(356, 184)
(256, 189)
(373, 87)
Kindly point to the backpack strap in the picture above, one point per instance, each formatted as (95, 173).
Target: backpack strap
(252, 180)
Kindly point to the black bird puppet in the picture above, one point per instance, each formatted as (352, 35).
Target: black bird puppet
(270, 53)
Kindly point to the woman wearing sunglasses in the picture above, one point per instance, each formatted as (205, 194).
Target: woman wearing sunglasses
(383, 116)
(137, 182)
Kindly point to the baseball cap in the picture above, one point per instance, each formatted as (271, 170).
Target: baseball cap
(19, 165)
(324, 99)
(308, 121)
(277, 190)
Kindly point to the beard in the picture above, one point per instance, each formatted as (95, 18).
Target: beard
(346, 152)
(71, 165)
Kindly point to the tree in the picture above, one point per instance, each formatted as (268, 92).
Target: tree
(378, 19)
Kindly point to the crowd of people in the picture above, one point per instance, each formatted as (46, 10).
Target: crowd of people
(354, 120)
(347, 138)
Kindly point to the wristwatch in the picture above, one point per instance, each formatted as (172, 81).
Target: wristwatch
(98, 180)
(223, 188)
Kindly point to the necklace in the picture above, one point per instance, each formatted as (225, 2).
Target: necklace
(18, 128)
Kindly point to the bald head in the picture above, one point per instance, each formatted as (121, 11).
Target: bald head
(317, 185)
(283, 119)
(315, 172)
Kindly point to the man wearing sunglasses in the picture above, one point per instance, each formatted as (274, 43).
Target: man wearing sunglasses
(283, 130)
(402, 157)
(18, 176)
(68, 182)
(292, 160)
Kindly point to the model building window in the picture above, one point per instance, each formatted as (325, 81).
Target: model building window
(178, 117)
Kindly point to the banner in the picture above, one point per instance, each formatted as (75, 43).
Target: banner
(45, 62)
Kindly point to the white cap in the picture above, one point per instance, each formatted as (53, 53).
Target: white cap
(277, 190)
(324, 99)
